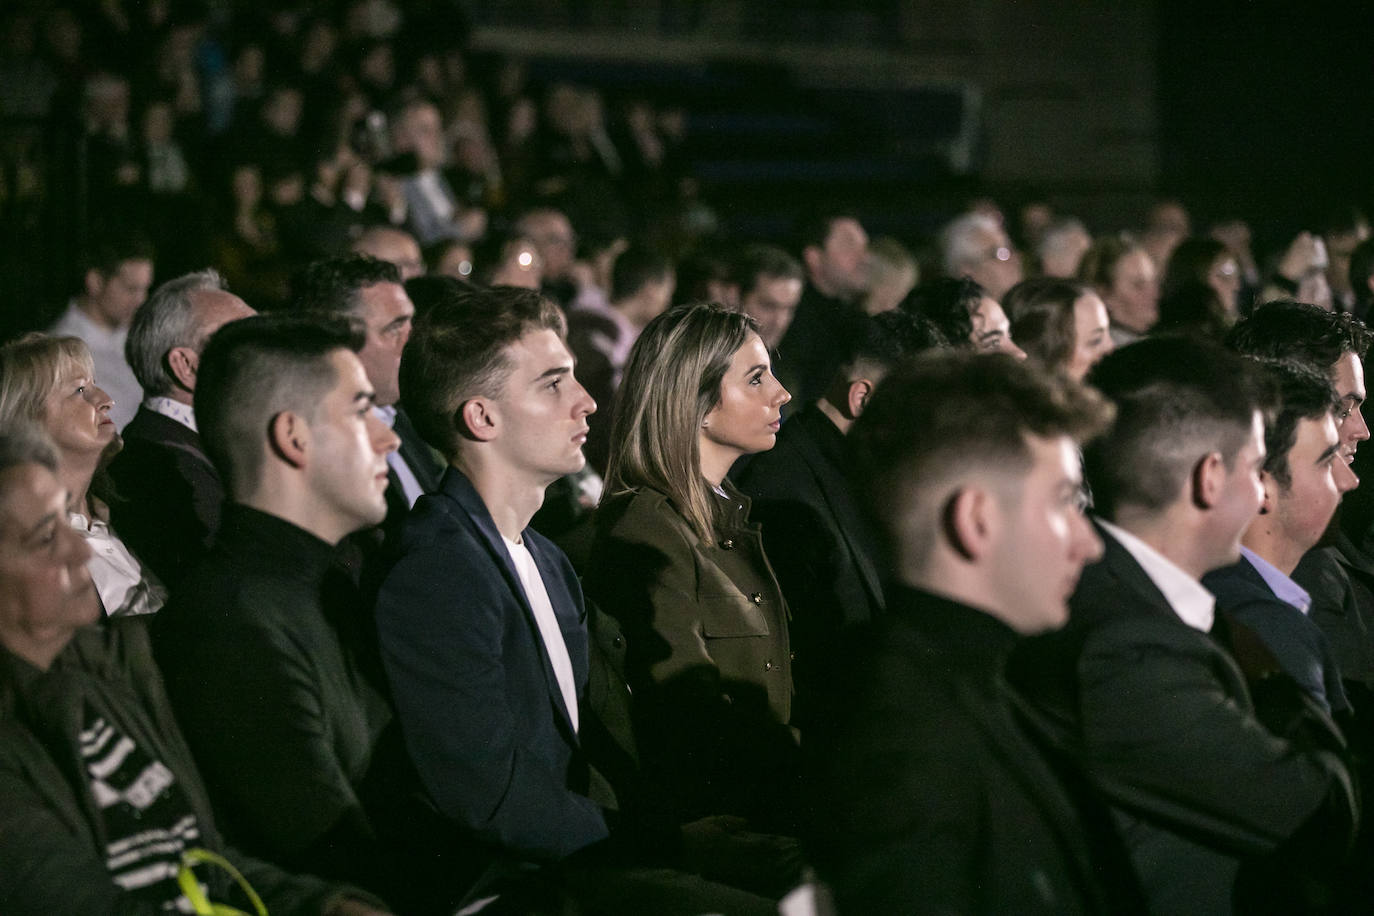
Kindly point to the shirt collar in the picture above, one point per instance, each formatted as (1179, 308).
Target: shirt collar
(1193, 604)
(1283, 587)
(184, 414)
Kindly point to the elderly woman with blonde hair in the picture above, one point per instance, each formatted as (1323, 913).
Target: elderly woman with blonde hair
(47, 384)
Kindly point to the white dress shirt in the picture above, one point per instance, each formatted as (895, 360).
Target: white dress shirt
(552, 635)
(1193, 604)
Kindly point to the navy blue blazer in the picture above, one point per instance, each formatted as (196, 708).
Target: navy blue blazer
(478, 701)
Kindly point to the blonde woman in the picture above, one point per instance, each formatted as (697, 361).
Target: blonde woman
(48, 383)
(677, 561)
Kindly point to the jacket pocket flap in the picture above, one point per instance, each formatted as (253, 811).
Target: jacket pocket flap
(725, 616)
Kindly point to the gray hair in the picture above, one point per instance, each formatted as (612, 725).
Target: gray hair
(166, 321)
(960, 245)
(1057, 234)
(26, 445)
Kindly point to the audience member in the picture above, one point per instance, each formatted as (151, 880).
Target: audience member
(1061, 248)
(395, 246)
(115, 281)
(819, 542)
(1193, 309)
(1304, 476)
(976, 246)
(1159, 710)
(169, 491)
(433, 211)
(552, 236)
(1060, 323)
(1344, 231)
(834, 253)
(964, 313)
(1205, 260)
(298, 750)
(892, 273)
(482, 623)
(932, 792)
(769, 283)
(600, 337)
(47, 383)
(103, 810)
(677, 561)
(1125, 276)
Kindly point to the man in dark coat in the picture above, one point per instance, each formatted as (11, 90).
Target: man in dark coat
(834, 252)
(933, 792)
(298, 750)
(1148, 681)
(170, 493)
(101, 807)
(818, 541)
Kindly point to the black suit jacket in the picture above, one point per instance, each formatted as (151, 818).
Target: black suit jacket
(931, 793)
(1164, 721)
(476, 694)
(809, 353)
(421, 461)
(819, 544)
(170, 495)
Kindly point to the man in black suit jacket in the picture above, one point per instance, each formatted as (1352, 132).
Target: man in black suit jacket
(820, 544)
(481, 621)
(1140, 681)
(932, 792)
(170, 492)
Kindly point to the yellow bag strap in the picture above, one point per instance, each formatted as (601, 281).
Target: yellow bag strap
(190, 887)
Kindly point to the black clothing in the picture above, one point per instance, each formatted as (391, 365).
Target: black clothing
(810, 351)
(932, 791)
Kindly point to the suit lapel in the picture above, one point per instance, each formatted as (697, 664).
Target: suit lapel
(457, 487)
(416, 454)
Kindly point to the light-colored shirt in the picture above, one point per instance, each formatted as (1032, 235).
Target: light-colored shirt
(184, 414)
(1284, 588)
(112, 372)
(410, 484)
(125, 585)
(549, 631)
(1193, 604)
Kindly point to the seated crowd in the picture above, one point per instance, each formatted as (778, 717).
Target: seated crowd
(502, 576)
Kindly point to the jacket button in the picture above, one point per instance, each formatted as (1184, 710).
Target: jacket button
(617, 642)
(757, 597)
(768, 666)
(727, 544)
(791, 656)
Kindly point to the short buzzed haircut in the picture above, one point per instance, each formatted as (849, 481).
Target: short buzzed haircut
(1303, 394)
(457, 351)
(757, 262)
(949, 415)
(1285, 329)
(166, 321)
(257, 368)
(1177, 400)
(335, 284)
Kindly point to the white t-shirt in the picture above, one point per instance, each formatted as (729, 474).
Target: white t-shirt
(538, 597)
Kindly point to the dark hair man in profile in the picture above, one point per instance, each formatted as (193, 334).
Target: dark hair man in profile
(1304, 477)
(101, 798)
(371, 290)
(298, 750)
(1160, 710)
(931, 792)
(1339, 573)
(482, 624)
(834, 253)
(817, 539)
(170, 491)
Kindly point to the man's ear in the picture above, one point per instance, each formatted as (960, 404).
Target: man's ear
(970, 521)
(183, 362)
(1208, 480)
(94, 282)
(860, 390)
(289, 436)
(811, 257)
(477, 420)
(1271, 493)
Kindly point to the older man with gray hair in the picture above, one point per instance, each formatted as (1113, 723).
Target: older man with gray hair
(171, 491)
(975, 245)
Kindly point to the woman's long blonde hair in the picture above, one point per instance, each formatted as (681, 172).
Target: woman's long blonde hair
(671, 382)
